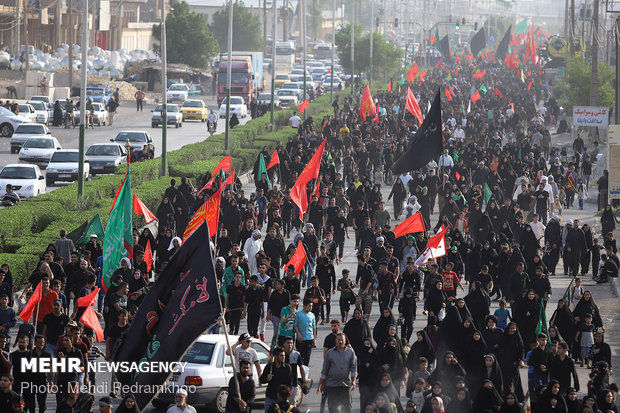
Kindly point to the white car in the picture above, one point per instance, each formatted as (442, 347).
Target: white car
(105, 157)
(174, 116)
(10, 121)
(237, 105)
(265, 99)
(296, 74)
(209, 369)
(27, 180)
(45, 99)
(39, 150)
(64, 166)
(26, 131)
(27, 111)
(287, 97)
(100, 114)
(42, 111)
(177, 92)
(309, 82)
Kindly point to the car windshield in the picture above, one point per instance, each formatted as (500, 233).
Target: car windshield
(30, 129)
(38, 106)
(95, 92)
(281, 77)
(200, 353)
(65, 157)
(178, 87)
(132, 136)
(98, 106)
(233, 101)
(169, 108)
(38, 98)
(39, 143)
(24, 108)
(103, 150)
(290, 86)
(18, 172)
(192, 104)
(264, 96)
(6, 112)
(283, 92)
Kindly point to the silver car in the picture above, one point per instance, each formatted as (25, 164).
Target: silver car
(174, 116)
(105, 157)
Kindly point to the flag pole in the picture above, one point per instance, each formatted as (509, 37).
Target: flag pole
(36, 317)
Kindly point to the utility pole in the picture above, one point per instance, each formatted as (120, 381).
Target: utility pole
(70, 31)
(572, 28)
(83, 82)
(273, 64)
(594, 46)
(18, 26)
(58, 22)
(26, 35)
(617, 37)
(164, 86)
(304, 25)
(372, 35)
(352, 45)
(229, 74)
(331, 89)
(265, 22)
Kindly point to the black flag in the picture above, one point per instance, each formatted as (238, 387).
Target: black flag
(181, 305)
(445, 47)
(427, 142)
(478, 42)
(502, 48)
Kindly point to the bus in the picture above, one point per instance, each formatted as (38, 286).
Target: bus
(322, 51)
(285, 56)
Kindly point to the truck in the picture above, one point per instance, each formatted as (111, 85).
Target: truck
(242, 78)
(98, 93)
(256, 70)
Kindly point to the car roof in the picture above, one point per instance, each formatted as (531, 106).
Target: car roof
(131, 131)
(193, 100)
(102, 144)
(20, 165)
(67, 150)
(221, 339)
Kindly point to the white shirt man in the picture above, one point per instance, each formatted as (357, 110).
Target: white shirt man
(251, 247)
(459, 134)
(445, 160)
(538, 228)
(294, 120)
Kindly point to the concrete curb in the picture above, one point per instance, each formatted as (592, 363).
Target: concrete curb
(615, 286)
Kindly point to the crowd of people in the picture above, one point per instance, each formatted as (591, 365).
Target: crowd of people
(499, 189)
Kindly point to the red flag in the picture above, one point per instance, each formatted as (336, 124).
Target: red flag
(298, 260)
(413, 107)
(413, 72)
(433, 39)
(208, 185)
(210, 212)
(141, 209)
(367, 105)
(275, 159)
(389, 88)
(300, 197)
(311, 171)
(230, 180)
(447, 93)
(422, 76)
(475, 97)
(303, 105)
(31, 305)
(458, 59)
(89, 318)
(148, 256)
(452, 92)
(498, 93)
(225, 165)
(415, 223)
(458, 176)
(317, 188)
(438, 63)
(479, 75)
(456, 72)
(529, 85)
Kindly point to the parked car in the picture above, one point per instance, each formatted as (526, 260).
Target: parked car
(173, 113)
(42, 111)
(137, 139)
(209, 369)
(265, 99)
(45, 99)
(64, 166)
(10, 121)
(39, 150)
(26, 131)
(287, 97)
(100, 114)
(194, 109)
(27, 180)
(27, 111)
(177, 92)
(237, 105)
(105, 157)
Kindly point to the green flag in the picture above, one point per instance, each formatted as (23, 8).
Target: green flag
(522, 26)
(449, 77)
(484, 89)
(118, 241)
(262, 169)
(402, 81)
(487, 193)
(437, 41)
(94, 227)
(541, 327)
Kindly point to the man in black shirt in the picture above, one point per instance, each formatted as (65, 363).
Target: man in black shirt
(241, 402)
(539, 360)
(21, 378)
(275, 374)
(7, 396)
(365, 278)
(54, 326)
(274, 249)
(543, 203)
(37, 380)
(292, 284)
(327, 281)
(68, 351)
(279, 299)
(254, 307)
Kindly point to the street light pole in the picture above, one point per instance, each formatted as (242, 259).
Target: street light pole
(83, 83)
(229, 75)
(164, 99)
(273, 63)
(331, 89)
(304, 26)
(352, 44)
(372, 35)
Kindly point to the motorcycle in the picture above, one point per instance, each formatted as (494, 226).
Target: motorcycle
(211, 126)
(68, 120)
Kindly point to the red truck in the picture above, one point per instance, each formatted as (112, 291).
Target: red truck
(242, 83)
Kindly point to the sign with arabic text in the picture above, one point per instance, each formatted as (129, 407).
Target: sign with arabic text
(591, 116)
(614, 172)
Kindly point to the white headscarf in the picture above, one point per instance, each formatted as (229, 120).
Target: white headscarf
(127, 261)
(171, 246)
